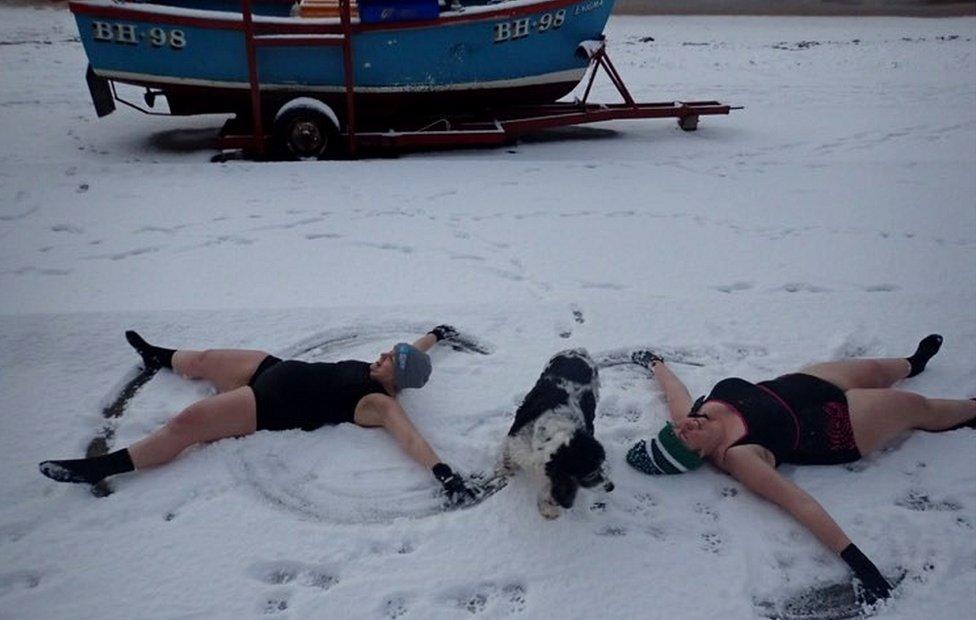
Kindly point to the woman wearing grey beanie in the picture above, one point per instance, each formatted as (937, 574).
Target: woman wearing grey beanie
(257, 391)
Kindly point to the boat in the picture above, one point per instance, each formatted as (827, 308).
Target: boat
(401, 54)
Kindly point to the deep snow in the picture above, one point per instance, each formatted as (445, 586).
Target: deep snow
(835, 216)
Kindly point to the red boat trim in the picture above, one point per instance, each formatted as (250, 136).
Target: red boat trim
(298, 25)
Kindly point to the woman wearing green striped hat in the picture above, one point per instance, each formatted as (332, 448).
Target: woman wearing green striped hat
(828, 413)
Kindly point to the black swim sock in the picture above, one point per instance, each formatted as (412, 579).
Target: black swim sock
(928, 347)
(152, 356)
(89, 470)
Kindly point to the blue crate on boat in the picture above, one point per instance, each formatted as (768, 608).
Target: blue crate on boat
(374, 11)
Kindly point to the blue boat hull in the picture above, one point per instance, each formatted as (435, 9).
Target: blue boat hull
(512, 53)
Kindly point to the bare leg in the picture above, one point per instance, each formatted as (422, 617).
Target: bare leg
(877, 373)
(880, 415)
(861, 373)
(230, 414)
(228, 369)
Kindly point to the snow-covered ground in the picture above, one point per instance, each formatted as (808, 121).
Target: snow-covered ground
(835, 216)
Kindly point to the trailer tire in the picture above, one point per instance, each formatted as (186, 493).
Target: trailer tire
(689, 122)
(306, 129)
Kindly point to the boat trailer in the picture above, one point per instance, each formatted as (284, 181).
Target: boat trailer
(500, 126)
(306, 128)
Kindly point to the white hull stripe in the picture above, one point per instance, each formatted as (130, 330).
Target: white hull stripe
(570, 75)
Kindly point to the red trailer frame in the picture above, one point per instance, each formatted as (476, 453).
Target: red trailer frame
(490, 127)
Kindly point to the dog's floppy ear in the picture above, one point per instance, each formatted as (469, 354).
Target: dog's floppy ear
(563, 488)
(582, 455)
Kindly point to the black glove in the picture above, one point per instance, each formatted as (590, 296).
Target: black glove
(453, 484)
(644, 357)
(443, 332)
(876, 587)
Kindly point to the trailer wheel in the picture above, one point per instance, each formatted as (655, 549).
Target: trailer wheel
(306, 129)
(688, 123)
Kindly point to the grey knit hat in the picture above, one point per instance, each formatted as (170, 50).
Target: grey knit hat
(411, 366)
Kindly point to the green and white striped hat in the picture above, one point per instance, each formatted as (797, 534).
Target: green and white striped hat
(666, 455)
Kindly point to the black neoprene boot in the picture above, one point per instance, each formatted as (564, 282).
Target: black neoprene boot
(89, 470)
(928, 347)
(152, 356)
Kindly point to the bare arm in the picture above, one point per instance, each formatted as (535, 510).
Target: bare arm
(441, 332)
(675, 393)
(761, 478)
(425, 342)
(382, 410)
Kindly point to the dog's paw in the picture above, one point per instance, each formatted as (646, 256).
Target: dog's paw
(548, 509)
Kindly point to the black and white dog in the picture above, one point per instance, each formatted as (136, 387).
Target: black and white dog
(552, 436)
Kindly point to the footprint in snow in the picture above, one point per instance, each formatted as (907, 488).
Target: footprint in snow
(24, 271)
(403, 547)
(395, 606)
(123, 255)
(612, 531)
(468, 257)
(706, 511)
(18, 581)
(711, 542)
(920, 501)
(564, 328)
(577, 314)
(285, 575)
(854, 346)
(741, 351)
(607, 286)
(881, 288)
(733, 287)
(15, 530)
(405, 249)
(289, 225)
(506, 599)
(803, 287)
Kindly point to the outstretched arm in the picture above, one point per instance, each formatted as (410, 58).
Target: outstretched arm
(382, 410)
(425, 342)
(675, 393)
(758, 476)
(428, 340)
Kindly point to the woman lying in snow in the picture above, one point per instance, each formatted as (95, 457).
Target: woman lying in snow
(257, 391)
(832, 412)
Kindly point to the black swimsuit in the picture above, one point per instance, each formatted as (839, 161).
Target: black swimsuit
(800, 418)
(307, 395)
